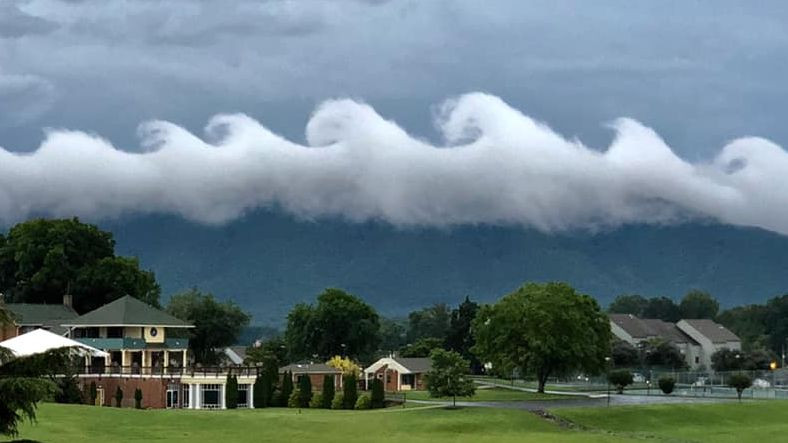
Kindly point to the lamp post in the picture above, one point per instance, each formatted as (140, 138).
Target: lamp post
(607, 367)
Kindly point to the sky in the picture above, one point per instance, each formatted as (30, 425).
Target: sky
(547, 114)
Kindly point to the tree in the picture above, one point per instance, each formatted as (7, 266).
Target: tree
(111, 278)
(272, 351)
(739, 382)
(666, 384)
(432, 321)
(118, 397)
(543, 329)
(749, 323)
(392, 334)
(304, 391)
(699, 304)
(138, 398)
(265, 384)
(26, 381)
(727, 360)
(777, 323)
(423, 347)
(344, 364)
(628, 304)
(287, 388)
(41, 260)
(93, 393)
(459, 337)
(339, 324)
(662, 353)
(216, 324)
(624, 355)
(449, 376)
(378, 397)
(349, 391)
(620, 378)
(328, 391)
(662, 308)
(231, 392)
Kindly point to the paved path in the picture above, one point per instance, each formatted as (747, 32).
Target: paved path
(615, 400)
(524, 389)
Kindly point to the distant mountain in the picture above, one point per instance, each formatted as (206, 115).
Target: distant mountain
(267, 262)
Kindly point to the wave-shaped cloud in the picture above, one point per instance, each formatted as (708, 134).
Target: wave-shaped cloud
(498, 166)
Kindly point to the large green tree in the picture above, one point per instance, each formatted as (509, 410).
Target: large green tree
(423, 347)
(41, 260)
(545, 330)
(662, 308)
(392, 333)
(449, 375)
(777, 323)
(749, 323)
(216, 324)
(628, 304)
(432, 321)
(460, 338)
(339, 324)
(699, 304)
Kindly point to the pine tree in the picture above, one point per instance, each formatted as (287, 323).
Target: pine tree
(260, 396)
(231, 392)
(349, 391)
(287, 389)
(138, 398)
(328, 391)
(378, 395)
(118, 396)
(304, 391)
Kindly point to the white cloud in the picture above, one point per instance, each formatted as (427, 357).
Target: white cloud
(498, 166)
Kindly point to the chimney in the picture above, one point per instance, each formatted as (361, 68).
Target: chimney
(68, 300)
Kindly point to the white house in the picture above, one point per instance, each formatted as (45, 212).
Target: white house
(711, 337)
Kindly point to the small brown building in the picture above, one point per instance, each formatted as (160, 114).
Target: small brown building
(315, 371)
(399, 374)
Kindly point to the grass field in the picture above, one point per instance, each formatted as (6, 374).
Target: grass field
(495, 394)
(759, 421)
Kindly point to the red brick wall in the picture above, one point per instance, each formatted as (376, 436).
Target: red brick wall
(317, 381)
(154, 390)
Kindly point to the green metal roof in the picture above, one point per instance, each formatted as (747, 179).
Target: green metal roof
(128, 311)
(47, 316)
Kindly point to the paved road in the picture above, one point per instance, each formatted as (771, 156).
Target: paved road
(615, 400)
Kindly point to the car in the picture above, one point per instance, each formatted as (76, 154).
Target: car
(638, 378)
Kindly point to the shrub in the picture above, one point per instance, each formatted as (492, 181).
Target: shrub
(378, 399)
(363, 402)
(138, 398)
(349, 391)
(328, 391)
(68, 391)
(317, 401)
(620, 379)
(740, 382)
(260, 394)
(287, 389)
(231, 392)
(338, 402)
(666, 384)
(294, 400)
(118, 396)
(93, 392)
(304, 391)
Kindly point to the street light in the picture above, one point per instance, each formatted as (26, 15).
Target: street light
(607, 366)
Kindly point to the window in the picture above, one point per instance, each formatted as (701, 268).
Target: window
(697, 360)
(210, 396)
(114, 332)
(185, 396)
(86, 333)
(243, 396)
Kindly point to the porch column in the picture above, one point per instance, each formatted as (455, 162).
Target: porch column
(142, 361)
(222, 388)
(197, 399)
(399, 381)
(166, 358)
(122, 360)
(250, 396)
(184, 357)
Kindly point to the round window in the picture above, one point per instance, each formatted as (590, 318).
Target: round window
(154, 332)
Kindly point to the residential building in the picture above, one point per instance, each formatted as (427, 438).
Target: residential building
(711, 336)
(399, 374)
(30, 316)
(316, 373)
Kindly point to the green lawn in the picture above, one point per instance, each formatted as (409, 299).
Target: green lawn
(755, 421)
(494, 394)
(758, 421)
(72, 423)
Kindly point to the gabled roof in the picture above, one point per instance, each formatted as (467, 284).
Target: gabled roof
(714, 331)
(309, 368)
(415, 365)
(632, 325)
(668, 331)
(127, 311)
(46, 316)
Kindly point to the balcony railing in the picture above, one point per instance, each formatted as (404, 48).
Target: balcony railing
(133, 343)
(189, 371)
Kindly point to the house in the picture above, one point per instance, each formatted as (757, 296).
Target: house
(399, 374)
(697, 340)
(138, 337)
(30, 316)
(711, 336)
(316, 373)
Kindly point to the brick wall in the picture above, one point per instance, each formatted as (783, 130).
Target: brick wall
(154, 390)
